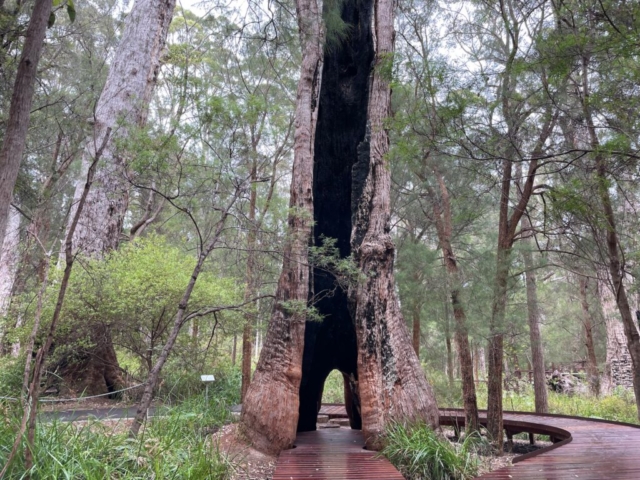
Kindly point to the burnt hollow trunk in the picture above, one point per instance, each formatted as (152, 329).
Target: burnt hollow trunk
(362, 332)
(342, 122)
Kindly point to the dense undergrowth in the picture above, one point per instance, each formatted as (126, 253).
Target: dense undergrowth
(173, 446)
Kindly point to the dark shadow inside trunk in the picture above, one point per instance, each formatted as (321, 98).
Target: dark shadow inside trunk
(342, 121)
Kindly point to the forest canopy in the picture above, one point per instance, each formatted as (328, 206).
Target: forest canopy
(177, 179)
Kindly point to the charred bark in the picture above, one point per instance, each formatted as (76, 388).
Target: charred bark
(391, 382)
(270, 408)
(342, 122)
(362, 332)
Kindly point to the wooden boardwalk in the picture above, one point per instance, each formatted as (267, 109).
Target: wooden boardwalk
(586, 449)
(333, 454)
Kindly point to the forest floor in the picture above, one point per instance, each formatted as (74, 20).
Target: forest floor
(245, 463)
(489, 462)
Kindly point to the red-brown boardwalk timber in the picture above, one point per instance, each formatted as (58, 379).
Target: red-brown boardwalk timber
(585, 449)
(333, 454)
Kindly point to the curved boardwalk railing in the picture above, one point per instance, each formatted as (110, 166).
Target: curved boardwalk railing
(583, 448)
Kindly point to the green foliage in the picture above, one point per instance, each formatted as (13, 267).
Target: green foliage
(172, 446)
(336, 29)
(333, 388)
(445, 395)
(619, 406)
(300, 309)
(136, 291)
(327, 257)
(11, 372)
(179, 386)
(420, 453)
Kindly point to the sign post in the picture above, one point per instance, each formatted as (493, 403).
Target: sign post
(207, 379)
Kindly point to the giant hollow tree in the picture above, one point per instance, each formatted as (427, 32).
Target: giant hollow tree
(123, 104)
(340, 190)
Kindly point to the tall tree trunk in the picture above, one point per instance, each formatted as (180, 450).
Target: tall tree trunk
(482, 363)
(249, 293)
(444, 226)
(15, 136)
(271, 405)
(448, 346)
(533, 312)
(392, 384)
(535, 339)
(496, 345)
(612, 243)
(507, 225)
(123, 103)
(9, 260)
(587, 322)
(8, 268)
(387, 381)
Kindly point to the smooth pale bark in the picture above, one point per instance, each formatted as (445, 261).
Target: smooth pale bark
(123, 102)
(8, 269)
(392, 385)
(15, 136)
(482, 363)
(587, 322)
(9, 260)
(271, 405)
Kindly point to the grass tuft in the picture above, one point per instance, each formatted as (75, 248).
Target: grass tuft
(172, 447)
(420, 453)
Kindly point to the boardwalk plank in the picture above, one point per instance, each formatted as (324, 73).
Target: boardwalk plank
(596, 450)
